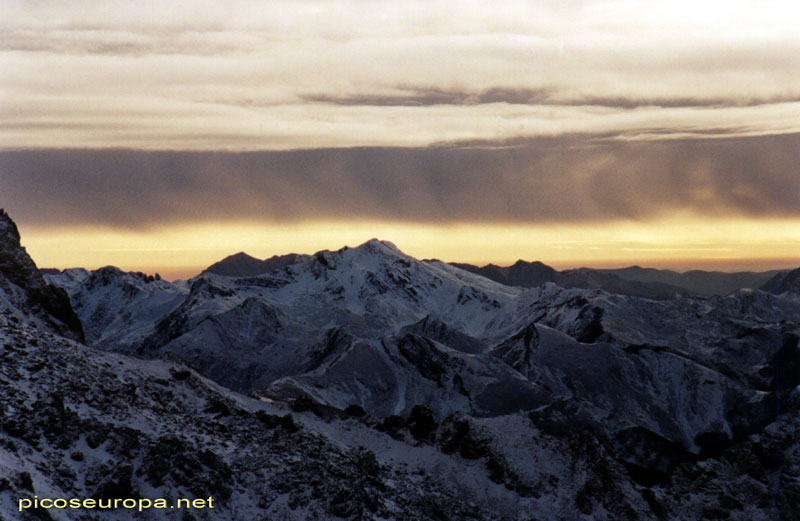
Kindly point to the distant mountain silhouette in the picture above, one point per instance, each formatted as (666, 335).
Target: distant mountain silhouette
(243, 265)
(698, 282)
(632, 281)
(521, 273)
(532, 274)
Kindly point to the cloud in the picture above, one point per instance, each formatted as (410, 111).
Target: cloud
(554, 180)
(422, 96)
(71, 42)
(267, 74)
(402, 96)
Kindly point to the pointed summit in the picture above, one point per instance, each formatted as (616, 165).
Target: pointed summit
(366, 253)
(237, 265)
(244, 265)
(377, 245)
(521, 273)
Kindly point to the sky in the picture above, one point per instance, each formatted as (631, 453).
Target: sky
(163, 136)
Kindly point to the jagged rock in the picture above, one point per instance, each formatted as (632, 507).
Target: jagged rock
(355, 411)
(392, 425)
(17, 268)
(114, 481)
(456, 435)
(421, 423)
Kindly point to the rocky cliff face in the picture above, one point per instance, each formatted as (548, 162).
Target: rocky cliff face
(20, 277)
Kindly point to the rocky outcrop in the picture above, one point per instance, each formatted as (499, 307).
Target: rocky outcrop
(47, 302)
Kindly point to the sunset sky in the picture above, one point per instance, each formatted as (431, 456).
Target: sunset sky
(163, 136)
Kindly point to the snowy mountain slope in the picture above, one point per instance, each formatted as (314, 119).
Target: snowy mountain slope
(613, 390)
(82, 423)
(118, 309)
(373, 327)
(160, 430)
(379, 282)
(601, 384)
(254, 330)
(785, 283)
(735, 335)
(631, 367)
(392, 376)
(76, 422)
(619, 430)
(67, 279)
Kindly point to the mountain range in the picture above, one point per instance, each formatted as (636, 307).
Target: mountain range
(632, 281)
(363, 383)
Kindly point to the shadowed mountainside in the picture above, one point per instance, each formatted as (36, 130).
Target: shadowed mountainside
(632, 281)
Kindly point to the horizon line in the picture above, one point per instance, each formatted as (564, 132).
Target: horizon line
(728, 265)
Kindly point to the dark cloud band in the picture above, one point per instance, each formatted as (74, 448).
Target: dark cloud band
(409, 96)
(567, 179)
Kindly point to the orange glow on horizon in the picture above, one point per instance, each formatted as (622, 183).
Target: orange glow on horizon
(681, 243)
